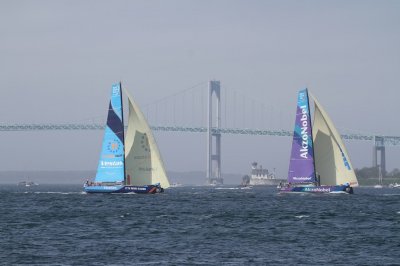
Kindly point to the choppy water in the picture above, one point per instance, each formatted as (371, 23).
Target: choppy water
(60, 225)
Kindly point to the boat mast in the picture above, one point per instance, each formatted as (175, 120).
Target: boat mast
(123, 129)
(312, 141)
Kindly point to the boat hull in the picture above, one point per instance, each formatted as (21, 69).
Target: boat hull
(317, 189)
(265, 182)
(147, 189)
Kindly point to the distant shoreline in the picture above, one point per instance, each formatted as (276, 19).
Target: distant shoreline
(75, 177)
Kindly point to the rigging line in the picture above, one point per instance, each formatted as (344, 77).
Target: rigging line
(244, 111)
(234, 109)
(356, 131)
(243, 94)
(259, 118)
(177, 93)
(252, 113)
(271, 116)
(93, 120)
(262, 115)
(224, 102)
(156, 120)
(193, 106)
(183, 108)
(173, 106)
(202, 107)
(164, 113)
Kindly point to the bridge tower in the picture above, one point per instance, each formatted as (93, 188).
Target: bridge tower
(214, 159)
(379, 147)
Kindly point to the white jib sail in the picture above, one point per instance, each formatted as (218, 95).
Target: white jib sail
(143, 162)
(332, 162)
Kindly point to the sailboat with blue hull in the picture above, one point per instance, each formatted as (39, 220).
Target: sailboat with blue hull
(131, 162)
(319, 162)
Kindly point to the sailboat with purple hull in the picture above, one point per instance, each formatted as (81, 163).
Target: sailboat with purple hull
(131, 162)
(319, 162)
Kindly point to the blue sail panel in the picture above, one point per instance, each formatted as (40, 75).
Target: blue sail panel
(111, 167)
(301, 167)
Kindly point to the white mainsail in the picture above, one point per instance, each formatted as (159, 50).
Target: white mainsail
(143, 162)
(332, 162)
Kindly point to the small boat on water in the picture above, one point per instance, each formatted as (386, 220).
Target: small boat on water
(176, 184)
(394, 185)
(130, 164)
(27, 184)
(319, 162)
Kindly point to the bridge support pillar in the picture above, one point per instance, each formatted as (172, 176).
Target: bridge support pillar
(214, 176)
(379, 147)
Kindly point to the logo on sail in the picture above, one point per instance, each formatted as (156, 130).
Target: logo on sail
(145, 143)
(115, 90)
(302, 95)
(113, 146)
(304, 131)
(302, 178)
(111, 164)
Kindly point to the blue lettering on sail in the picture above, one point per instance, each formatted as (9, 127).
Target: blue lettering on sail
(345, 161)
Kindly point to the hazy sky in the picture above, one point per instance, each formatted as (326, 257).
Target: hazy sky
(59, 59)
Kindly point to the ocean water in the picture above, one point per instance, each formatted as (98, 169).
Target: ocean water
(60, 225)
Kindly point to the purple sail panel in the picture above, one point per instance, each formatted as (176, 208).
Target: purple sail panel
(301, 167)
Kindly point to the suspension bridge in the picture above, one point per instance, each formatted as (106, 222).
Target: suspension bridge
(254, 113)
(388, 140)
